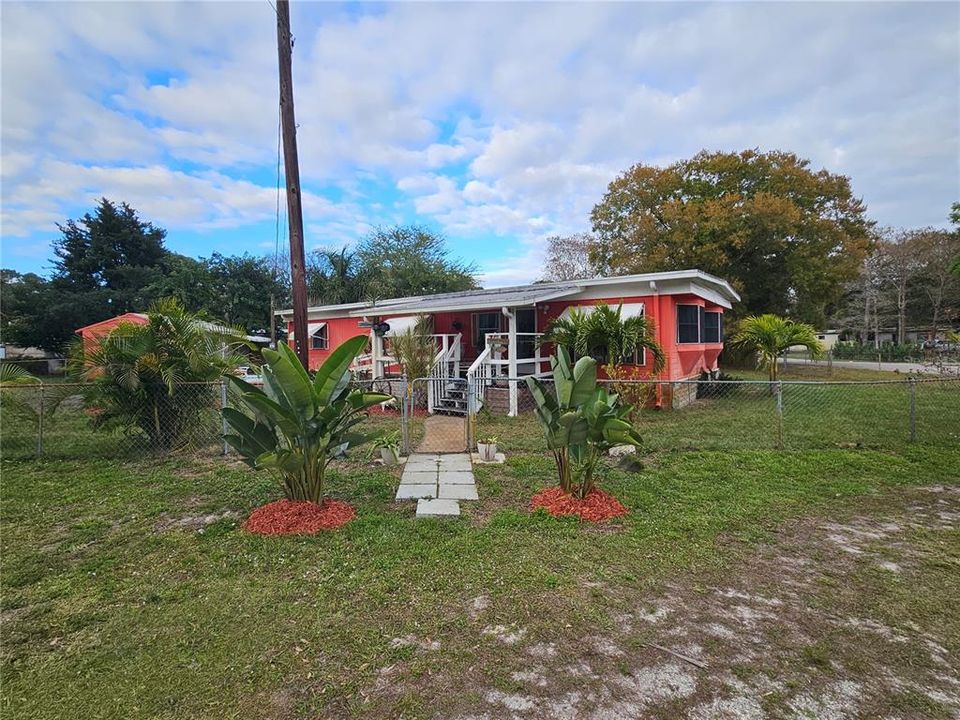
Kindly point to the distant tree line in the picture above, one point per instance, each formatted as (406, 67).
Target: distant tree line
(792, 241)
(110, 261)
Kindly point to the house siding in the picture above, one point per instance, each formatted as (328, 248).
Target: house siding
(339, 330)
(682, 360)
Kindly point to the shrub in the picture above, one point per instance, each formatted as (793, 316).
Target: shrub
(156, 378)
(581, 420)
(717, 384)
(296, 425)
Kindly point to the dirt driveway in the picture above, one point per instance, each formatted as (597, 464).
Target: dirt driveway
(841, 617)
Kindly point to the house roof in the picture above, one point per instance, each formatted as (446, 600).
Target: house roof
(142, 318)
(133, 317)
(521, 295)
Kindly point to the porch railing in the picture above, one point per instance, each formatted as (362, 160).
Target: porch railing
(500, 355)
(479, 377)
(446, 367)
(494, 362)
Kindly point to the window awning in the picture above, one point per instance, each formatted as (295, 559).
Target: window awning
(312, 329)
(400, 325)
(628, 310)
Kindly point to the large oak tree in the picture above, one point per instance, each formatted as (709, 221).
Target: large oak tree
(787, 237)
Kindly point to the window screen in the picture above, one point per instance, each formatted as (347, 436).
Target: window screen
(318, 341)
(484, 323)
(688, 323)
(712, 332)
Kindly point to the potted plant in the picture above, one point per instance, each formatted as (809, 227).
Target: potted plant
(390, 448)
(487, 447)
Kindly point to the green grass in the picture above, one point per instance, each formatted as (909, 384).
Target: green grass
(110, 613)
(110, 616)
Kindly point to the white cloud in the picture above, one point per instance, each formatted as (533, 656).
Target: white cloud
(503, 119)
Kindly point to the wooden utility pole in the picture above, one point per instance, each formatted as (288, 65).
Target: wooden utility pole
(273, 324)
(292, 171)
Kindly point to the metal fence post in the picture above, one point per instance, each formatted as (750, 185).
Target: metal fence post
(223, 420)
(405, 412)
(779, 391)
(471, 414)
(40, 424)
(913, 410)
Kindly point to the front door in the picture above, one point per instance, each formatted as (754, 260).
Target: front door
(526, 339)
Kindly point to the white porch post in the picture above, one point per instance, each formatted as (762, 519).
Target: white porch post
(376, 351)
(512, 360)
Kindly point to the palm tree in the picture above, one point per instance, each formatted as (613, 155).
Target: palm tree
(769, 336)
(605, 335)
(414, 350)
(157, 377)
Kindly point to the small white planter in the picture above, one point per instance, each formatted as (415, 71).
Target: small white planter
(389, 456)
(488, 451)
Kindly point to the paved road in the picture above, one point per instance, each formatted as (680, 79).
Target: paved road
(904, 367)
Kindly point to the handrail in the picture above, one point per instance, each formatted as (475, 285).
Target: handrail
(446, 364)
(479, 376)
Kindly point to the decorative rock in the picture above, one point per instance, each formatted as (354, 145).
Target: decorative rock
(621, 450)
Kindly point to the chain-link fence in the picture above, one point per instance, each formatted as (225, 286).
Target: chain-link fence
(437, 415)
(728, 414)
(78, 420)
(62, 420)
(68, 420)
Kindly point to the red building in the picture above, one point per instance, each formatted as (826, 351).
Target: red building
(92, 333)
(483, 335)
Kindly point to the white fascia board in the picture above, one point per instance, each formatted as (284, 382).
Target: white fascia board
(486, 303)
(642, 282)
(710, 294)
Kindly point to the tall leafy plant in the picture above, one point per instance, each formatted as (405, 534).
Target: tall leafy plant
(156, 378)
(415, 348)
(295, 426)
(605, 335)
(581, 420)
(769, 336)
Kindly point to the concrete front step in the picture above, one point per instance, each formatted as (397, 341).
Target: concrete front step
(438, 508)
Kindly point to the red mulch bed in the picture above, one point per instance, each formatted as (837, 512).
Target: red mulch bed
(290, 517)
(597, 506)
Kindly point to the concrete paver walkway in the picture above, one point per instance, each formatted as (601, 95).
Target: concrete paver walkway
(443, 434)
(437, 482)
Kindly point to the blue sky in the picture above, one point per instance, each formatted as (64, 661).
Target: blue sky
(496, 124)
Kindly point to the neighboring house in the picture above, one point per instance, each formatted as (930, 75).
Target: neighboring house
(93, 332)
(483, 335)
(34, 360)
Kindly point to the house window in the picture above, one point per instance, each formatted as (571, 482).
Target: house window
(639, 354)
(484, 323)
(688, 323)
(318, 340)
(712, 327)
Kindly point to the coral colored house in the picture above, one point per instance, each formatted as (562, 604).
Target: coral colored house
(485, 336)
(92, 333)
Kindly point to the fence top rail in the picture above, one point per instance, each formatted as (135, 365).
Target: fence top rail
(951, 380)
(766, 383)
(90, 383)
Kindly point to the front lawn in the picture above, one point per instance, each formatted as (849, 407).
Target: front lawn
(130, 591)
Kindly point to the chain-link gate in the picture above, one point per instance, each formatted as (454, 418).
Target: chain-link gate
(437, 416)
